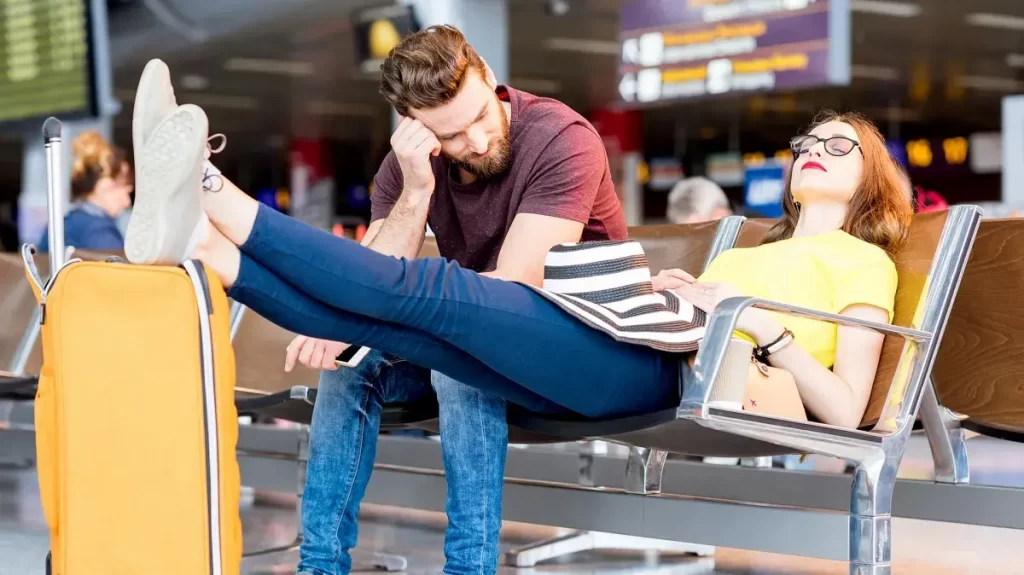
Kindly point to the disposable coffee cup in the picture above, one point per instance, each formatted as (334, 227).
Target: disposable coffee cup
(730, 388)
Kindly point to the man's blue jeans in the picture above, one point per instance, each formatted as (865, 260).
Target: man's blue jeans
(343, 444)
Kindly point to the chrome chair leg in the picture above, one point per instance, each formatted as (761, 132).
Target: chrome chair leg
(871, 517)
(644, 470)
(945, 438)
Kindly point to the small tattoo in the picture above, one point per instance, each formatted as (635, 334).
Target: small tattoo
(212, 182)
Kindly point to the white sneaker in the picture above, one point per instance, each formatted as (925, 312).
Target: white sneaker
(168, 218)
(154, 101)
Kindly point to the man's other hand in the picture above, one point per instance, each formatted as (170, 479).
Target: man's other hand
(313, 353)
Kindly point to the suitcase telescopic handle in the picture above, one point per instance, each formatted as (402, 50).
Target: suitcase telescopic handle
(55, 191)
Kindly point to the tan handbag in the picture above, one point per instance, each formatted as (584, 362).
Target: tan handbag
(765, 389)
(773, 391)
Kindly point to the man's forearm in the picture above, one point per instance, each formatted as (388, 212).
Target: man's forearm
(402, 232)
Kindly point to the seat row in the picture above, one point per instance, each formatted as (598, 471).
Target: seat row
(951, 361)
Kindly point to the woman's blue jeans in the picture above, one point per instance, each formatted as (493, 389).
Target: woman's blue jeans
(499, 336)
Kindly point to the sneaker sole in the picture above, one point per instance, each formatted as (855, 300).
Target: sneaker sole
(155, 81)
(169, 159)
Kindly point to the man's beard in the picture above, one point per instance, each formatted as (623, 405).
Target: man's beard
(495, 161)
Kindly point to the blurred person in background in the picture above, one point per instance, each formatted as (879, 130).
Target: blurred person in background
(695, 200)
(101, 189)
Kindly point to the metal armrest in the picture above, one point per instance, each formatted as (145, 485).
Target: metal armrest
(814, 437)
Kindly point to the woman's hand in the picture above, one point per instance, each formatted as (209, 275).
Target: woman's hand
(707, 295)
(671, 279)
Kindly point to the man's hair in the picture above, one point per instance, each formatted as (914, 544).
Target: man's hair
(695, 196)
(428, 68)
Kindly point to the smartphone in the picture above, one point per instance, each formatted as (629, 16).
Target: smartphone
(351, 356)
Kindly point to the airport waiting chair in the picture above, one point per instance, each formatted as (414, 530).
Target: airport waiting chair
(930, 268)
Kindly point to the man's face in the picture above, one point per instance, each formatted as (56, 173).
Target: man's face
(473, 128)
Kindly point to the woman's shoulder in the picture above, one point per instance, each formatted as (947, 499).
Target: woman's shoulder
(861, 248)
(857, 253)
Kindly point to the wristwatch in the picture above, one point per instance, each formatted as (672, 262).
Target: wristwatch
(762, 352)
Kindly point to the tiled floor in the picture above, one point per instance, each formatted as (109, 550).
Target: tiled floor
(920, 547)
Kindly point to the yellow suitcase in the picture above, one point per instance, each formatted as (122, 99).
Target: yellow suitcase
(136, 426)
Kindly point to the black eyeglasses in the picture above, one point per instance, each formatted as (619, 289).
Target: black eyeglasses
(834, 145)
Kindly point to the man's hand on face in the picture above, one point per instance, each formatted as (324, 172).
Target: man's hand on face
(413, 144)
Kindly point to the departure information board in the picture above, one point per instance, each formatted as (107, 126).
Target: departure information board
(684, 49)
(45, 64)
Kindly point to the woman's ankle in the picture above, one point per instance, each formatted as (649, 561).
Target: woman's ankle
(231, 211)
(217, 251)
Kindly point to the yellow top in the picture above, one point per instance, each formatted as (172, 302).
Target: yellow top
(826, 272)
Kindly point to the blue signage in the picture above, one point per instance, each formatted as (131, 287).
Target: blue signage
(687, 49)
(763, 188)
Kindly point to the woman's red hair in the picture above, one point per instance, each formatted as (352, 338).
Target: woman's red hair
(880, 210)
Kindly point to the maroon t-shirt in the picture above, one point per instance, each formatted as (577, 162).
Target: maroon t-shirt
(558, 168)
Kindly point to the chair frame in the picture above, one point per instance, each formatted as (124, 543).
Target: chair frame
(876, 453)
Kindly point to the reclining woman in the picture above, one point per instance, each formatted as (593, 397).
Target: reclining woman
(604, 353)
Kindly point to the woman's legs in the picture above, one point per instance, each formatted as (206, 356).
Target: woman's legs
(508, 327)
(293, 310)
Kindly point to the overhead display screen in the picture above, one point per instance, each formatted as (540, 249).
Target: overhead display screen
(378, 30)
(45, 64)
(686, 49)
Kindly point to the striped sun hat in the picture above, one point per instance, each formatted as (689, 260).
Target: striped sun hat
(607, 285)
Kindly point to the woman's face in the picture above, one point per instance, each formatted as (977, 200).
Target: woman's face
(114, 194)
(828, 164)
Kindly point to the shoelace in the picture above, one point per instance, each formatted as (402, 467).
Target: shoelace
(212, 182)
